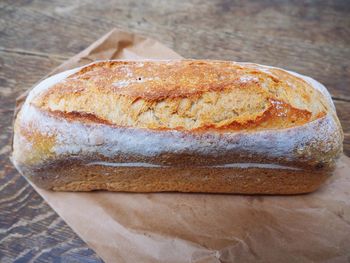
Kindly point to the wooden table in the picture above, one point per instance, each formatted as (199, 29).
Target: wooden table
(38, 35)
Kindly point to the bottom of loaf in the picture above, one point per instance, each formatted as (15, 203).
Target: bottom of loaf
(77, 177)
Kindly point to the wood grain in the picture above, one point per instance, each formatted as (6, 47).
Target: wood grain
(343, 111)
(30, 229)
(310, 37)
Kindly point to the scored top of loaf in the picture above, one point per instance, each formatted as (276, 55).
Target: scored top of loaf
(184, 95)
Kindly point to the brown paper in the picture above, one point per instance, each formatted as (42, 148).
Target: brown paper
(175, 227)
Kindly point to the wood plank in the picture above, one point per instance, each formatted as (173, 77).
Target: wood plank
(343, 112)
(347, 144)
(311, 38)
(29, 228)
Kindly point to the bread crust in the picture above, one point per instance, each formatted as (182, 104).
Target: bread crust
(184, 95)
(289, 148)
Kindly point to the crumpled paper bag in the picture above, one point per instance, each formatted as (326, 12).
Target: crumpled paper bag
(178, 227)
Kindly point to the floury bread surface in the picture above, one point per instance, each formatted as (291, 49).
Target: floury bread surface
(180, 125)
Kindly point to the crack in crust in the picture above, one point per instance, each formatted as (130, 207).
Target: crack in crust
(184, 95)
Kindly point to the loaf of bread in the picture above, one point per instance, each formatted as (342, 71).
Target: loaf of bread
(179, 125)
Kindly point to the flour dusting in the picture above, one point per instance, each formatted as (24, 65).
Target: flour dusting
(75, 138)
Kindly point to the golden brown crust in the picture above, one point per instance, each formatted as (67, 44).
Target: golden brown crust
(185, 95)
